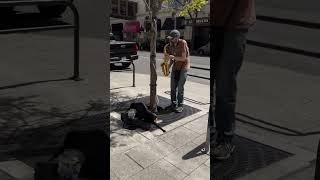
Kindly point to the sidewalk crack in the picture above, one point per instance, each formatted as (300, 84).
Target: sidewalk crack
(134, 161)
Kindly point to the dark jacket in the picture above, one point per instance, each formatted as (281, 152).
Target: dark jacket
(233, 14)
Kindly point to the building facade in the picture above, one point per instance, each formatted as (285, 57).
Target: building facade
(133, 26)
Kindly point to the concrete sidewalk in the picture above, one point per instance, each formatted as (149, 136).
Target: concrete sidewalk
(157, 155)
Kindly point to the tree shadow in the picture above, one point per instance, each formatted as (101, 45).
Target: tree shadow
(116, 88)
(33, 128)
(120, 103)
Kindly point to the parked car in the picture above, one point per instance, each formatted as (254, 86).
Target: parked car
(204, 50)
(121, 52)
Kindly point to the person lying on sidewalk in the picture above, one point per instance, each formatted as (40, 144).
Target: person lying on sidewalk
(178, 53)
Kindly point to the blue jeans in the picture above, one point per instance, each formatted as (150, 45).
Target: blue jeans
(178, 79)
(228, 64)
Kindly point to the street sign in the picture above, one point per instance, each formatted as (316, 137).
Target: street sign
(199, 21)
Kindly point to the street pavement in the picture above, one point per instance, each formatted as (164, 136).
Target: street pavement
(289, 9)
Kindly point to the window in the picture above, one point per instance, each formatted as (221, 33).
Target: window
(132, 8)
(123, 7)
(114, 6)
(169, 24)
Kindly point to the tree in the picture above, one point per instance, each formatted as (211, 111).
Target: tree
(153, 7)
(190, 8)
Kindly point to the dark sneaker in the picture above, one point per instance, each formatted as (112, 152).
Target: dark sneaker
(179, 109)
(223, 150)
(173, 107)
(214, 139)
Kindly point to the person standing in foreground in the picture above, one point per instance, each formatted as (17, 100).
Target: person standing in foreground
(178, 53)
(231, 22)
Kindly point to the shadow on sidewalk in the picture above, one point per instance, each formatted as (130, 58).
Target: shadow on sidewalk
(120, 88)
(119, 69)
(32, 83)
(194, 153)
(31, 125)
(119, 103)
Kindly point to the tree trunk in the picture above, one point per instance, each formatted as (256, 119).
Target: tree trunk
(193, 23)
(193, 34)
(153, 72)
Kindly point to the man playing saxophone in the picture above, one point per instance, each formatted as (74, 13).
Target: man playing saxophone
(177, 54)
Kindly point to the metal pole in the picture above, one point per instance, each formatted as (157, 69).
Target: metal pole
(317, 170)
(76, 64)
(174, 18)
(134, 74)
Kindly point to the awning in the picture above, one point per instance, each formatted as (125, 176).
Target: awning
(168, 23)
(132, 26)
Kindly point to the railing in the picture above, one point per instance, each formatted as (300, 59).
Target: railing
(133, 69)
(10, 27)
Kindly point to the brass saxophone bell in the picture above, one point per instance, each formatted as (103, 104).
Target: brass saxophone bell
(165, 68)
(165, 65)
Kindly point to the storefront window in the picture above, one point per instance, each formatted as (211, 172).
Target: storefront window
(132, 8)
(169, 24)
(123, 7)
(114, 5)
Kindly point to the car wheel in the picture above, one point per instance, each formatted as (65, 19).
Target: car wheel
(113, 67)
(126, 65)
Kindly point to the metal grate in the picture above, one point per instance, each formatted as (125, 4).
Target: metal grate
(248, 157)
(165, 115)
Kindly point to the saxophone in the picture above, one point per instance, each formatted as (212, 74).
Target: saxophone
(165, 64)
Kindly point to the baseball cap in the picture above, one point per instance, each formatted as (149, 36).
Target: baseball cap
(174, 34)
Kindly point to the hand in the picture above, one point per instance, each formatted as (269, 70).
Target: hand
(171, 57)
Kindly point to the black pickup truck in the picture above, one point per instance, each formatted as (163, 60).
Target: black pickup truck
(121, 52)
